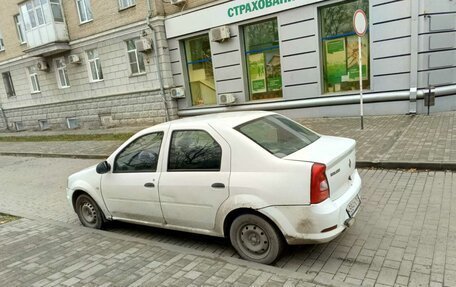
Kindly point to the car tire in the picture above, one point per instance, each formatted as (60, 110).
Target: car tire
(89, 212)
(255, 239)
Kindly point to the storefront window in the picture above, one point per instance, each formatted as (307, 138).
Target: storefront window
(340, 47)
(263, 60)
(200, 72)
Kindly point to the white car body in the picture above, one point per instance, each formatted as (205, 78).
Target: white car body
(253, 179)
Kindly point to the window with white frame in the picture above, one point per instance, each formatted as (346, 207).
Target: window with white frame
(136, 59)
(84, 10)
(123, 4)
(19, 28)
(56, 9)
(33, 77)
(62, 73)
(2, 44)
(93, 61)
(33, 13)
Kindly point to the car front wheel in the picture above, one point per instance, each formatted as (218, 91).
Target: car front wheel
(89, 212)
(255, 239)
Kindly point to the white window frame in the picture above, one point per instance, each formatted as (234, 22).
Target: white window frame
(86, 7)
(20, 29)
(97, 62)
(61, 70)
(128, 4)
(56, 3)
(135, 50)
(33, 79)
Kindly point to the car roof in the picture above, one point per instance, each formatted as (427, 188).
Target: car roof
(225, 119)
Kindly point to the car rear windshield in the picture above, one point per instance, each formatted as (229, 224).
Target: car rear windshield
(277, 134)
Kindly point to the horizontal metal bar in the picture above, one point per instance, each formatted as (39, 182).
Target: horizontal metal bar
(317, 102)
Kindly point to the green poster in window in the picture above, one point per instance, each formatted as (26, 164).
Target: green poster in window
(352, 60)
(335, 60)
(274, 83)
(257, 73)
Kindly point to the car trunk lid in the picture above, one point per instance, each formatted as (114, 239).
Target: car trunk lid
(338, 154)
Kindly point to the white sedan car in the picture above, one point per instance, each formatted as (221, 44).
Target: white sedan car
(257, 178)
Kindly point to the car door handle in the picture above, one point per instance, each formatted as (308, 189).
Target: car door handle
(218, 185)
(149, 184)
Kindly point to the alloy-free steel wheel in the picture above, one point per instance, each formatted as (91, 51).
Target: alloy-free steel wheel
(88, 212)
(255, 239)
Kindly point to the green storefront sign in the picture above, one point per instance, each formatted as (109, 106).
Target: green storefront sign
(254, 6)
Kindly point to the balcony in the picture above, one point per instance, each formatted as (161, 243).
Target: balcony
(45, 27)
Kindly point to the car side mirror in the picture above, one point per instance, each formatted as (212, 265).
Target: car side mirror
(103, 167)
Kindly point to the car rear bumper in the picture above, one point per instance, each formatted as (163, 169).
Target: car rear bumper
(304, 224)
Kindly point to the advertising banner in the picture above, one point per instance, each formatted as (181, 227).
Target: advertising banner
(336, 59)
(257, 73)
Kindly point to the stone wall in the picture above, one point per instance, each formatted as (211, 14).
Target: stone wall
(120, 110)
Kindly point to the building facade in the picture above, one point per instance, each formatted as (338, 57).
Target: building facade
(300, 57)
(74, 63)
(78, 63)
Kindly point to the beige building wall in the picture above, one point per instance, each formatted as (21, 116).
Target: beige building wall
(13, 47)
(106, 16)
(172, 9)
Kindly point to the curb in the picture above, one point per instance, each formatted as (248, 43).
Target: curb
(407, 165)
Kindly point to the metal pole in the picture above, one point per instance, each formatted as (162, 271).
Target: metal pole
(360, 59)
(429, 101)
(157, 59)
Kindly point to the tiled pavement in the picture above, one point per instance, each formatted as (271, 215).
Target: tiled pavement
(56, 255)
(395, 139)
(400, 138)
(404, 234)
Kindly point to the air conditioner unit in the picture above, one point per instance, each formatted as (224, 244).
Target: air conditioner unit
(143, 45)
(226, 99)
(177, 93)
(220, 34)
(42, 65)
(178, 2)
(74, 59)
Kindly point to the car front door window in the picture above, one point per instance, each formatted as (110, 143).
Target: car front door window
(140, 156)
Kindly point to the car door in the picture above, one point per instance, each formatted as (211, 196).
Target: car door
(130, 190)
(195, 181)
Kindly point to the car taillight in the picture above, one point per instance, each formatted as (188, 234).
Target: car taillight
(319, 187)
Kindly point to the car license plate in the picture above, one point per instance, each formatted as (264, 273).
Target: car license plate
(353, 206)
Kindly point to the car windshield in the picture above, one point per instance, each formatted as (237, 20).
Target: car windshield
(277, 134)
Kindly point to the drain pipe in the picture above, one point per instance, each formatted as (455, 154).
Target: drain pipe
(157, 59)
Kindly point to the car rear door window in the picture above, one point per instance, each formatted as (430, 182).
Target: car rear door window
(141, 155)
(194, 150)
(278, 135)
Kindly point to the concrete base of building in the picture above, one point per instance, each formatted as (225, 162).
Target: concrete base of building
(111, 111)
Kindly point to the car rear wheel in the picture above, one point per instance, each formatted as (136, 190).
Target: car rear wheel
(255, 239)
(89, 212)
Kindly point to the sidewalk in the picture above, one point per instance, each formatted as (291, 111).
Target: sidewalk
(399, 141)
(54, 254)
